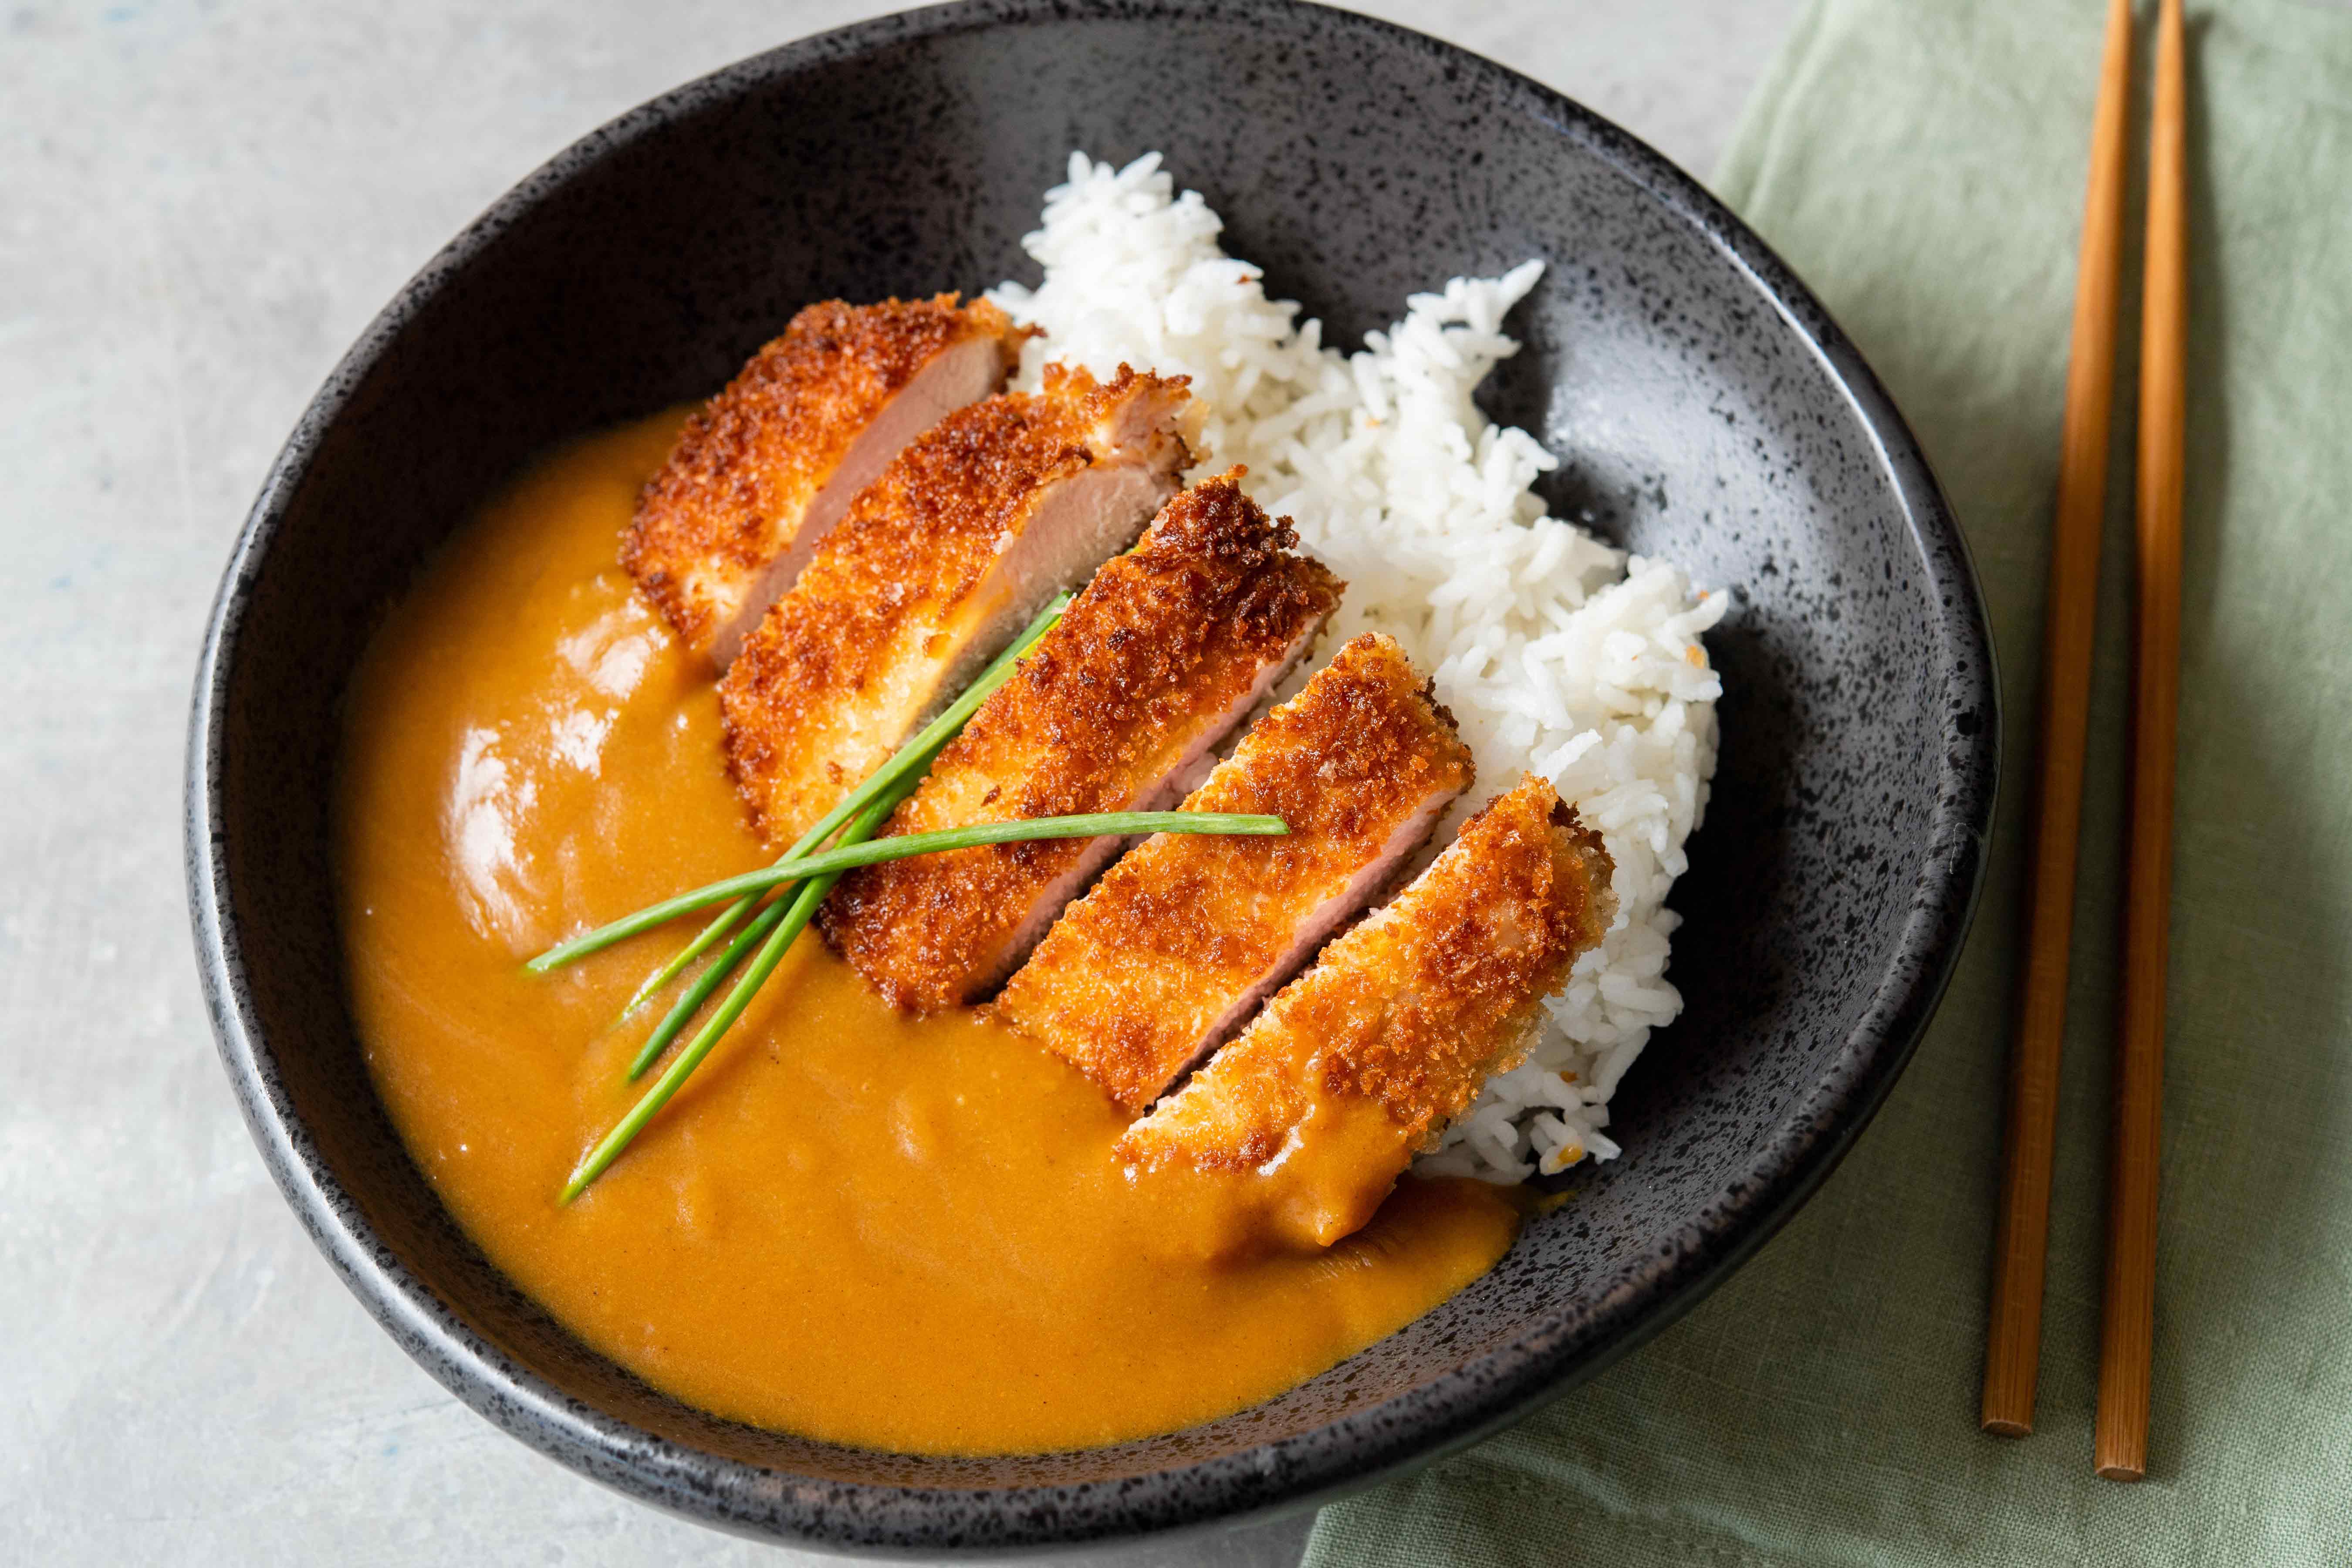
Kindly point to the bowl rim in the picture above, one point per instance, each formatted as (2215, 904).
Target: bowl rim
(1452, 1411)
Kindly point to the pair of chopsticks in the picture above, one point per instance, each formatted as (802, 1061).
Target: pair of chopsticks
(2013, 1340)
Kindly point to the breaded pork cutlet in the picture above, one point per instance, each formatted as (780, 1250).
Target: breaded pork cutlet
(765, 469)
(1359, 1063)
(1116, 710)
(939, 562)
(1185, 937)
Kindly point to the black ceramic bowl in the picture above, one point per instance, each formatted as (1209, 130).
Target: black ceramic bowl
(1706, 408)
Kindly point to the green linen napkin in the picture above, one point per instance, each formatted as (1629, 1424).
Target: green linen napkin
(1921, 164)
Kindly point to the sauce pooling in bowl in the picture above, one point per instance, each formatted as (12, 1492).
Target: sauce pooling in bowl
(895, 1233)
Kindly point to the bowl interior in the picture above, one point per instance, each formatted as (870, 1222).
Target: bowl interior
(1704, 409)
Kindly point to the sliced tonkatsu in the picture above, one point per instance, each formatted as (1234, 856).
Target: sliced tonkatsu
(1183, 938)
(1116, 710)
(1359, 1062)
(940, 561)
(767, 467)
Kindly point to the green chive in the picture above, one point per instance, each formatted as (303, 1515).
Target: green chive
(691, 1001)
(848, 857)
(794, 919)
(780, 924)
(915, 757)
(719, 968)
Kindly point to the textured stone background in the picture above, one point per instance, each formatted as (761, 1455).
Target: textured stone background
(201, 203)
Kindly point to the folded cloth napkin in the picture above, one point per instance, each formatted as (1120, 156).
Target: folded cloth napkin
(1921, 164)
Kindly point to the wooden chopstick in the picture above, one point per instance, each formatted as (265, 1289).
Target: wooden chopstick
(2128, 1327)
(2013, 1336)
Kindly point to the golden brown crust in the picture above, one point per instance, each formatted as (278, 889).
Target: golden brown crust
(842, 666)
(745, 468)
(1411, 1011)
(1151, 659)
(1129, 986)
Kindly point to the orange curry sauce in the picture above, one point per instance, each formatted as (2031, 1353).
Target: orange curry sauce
(887, 1232)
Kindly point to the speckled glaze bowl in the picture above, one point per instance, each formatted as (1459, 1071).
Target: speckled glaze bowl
(1704, 406)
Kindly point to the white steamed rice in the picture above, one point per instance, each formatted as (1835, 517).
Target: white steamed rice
(1556, 654)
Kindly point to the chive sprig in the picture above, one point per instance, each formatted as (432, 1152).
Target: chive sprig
(814, 870)
(849, 855)
(784, 921)
(913, 758)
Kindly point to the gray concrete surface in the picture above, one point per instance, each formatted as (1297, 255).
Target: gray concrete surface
(200, 203)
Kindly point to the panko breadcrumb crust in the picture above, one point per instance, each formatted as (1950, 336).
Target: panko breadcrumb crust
(1414, 1008)
(1128, 984)
(886, 601)
(1149, 664)
(745, 467)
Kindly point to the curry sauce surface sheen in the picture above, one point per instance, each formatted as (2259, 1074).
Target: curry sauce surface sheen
(892, 1233)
